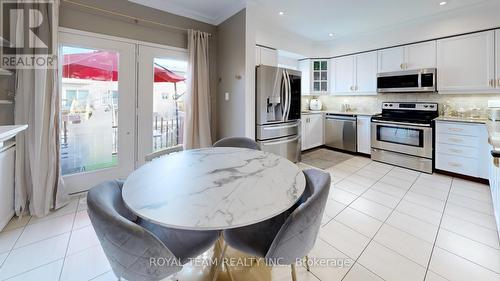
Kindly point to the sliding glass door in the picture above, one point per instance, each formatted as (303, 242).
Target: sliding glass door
(97, 129)
(161, 89)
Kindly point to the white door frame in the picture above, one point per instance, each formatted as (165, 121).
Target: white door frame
(126, 103)
(145, 89)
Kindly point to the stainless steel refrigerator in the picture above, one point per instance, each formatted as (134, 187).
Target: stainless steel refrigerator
(278, 110)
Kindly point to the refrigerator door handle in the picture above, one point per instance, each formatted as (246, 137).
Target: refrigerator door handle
(283, 96)
(286, 102)
(289, 98)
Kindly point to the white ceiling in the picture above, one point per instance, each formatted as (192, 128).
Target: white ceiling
(314, 19)
(208, 11)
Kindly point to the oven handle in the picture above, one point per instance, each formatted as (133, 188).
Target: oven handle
(402, 123)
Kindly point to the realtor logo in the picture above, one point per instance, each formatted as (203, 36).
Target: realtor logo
(27, 34)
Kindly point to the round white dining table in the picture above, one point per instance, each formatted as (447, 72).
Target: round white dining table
(213, 188)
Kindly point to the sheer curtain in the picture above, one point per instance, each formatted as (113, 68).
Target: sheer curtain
(39, 187)
(197, 102)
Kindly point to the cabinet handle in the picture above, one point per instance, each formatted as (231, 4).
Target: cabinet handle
(492, 83)
(456, 150)
(455, 140)
(454, 164)
(401, 66)
(456, 129)
(356, 88)
(498, 82)
(352, 88)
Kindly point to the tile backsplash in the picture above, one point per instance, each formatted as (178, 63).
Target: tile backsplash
(467, 105)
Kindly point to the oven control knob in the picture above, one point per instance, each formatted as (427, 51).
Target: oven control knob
(390, 105)
(432, 106)
(426, 106)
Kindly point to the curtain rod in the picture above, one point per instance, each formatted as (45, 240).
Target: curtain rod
(136, 19)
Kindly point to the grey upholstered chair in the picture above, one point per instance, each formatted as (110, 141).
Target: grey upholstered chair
(291, 235)
(237, 142)
(129, 242)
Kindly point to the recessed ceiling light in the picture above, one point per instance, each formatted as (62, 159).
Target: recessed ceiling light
(331, 34)
(281, 13)
(442, 3)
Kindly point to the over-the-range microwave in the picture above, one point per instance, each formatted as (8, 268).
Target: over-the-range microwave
(408, 81)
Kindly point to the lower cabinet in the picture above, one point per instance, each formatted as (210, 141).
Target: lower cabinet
(494, 167)
(462, 148)
(312, 131)
(364, 134)
(7, 159)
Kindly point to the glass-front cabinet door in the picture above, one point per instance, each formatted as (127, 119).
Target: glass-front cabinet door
(320, 76)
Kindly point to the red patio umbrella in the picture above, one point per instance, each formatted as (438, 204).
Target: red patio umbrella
(103, 66)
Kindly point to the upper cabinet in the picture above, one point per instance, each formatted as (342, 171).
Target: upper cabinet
(366, 73)
(415, 56)
(390, 60)
(342, 75)
(320, 70)
(466, 64)
(305, 83)
(421, 55)
(497, 56)
(266, 56)
(315, 76)
(354, 74)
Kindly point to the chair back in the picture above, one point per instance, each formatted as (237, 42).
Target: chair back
(238, 142)
(150, 157)
(130, 248)
(298, 234)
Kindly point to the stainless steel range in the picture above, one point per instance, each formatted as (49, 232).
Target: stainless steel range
(403, 135)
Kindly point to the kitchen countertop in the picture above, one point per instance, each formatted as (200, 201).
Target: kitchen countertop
(462, 119)
(340, 112)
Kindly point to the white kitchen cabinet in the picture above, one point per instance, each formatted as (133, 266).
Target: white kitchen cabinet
(462, 148)
(391, 59)
(320, 72)
(355, 74)
(305, 83)
(494, 177)
(364, 134)
(343, 75)
(366, 73)
(466, 64)
(414, 56)
(497, 56)
(312, 131)
(266, 56)
(421, 55)
(7, 159)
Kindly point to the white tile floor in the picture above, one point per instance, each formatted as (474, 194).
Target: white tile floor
(381, 223)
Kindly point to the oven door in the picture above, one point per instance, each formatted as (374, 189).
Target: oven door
(407, 138)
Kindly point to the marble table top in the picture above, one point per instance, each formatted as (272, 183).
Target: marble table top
(213, 188)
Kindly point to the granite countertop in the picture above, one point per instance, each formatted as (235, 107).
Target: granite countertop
(363, 113)
(462, 119)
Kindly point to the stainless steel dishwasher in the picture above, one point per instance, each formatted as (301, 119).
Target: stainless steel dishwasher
(340, 132)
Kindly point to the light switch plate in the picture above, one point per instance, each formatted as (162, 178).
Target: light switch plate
(226, 96)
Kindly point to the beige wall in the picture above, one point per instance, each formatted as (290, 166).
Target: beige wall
(81, 18)
(231, 66)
